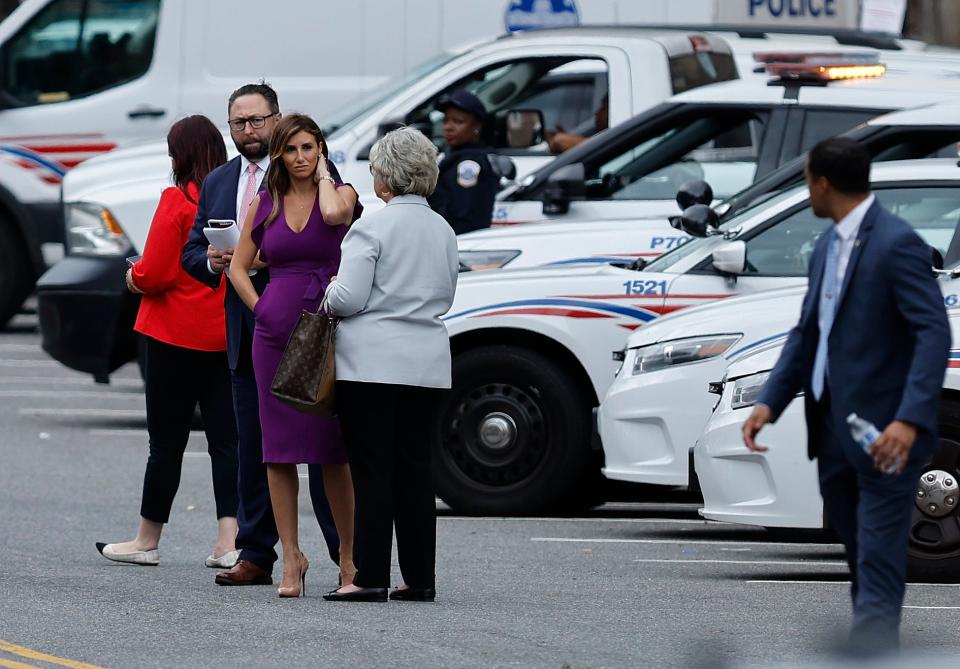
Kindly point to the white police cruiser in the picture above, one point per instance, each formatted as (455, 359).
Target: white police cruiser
(778, 488)
(532, 346)
(655, 410)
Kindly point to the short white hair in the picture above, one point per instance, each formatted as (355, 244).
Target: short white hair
(406, 162)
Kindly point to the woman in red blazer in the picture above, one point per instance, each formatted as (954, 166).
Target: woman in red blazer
(182, 322)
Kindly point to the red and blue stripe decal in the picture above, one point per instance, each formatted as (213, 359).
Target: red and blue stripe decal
(954, 359)
(34, 159)
(557, 307)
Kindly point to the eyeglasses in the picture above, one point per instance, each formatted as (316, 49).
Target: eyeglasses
(256, 122)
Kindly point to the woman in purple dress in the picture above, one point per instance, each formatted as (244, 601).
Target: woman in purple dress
(296, 226)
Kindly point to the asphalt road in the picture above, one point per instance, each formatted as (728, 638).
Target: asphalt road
(628, 585)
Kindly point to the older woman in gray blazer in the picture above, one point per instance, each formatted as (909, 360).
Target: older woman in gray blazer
(397, 277)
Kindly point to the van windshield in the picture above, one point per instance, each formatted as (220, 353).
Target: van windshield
(342, 121)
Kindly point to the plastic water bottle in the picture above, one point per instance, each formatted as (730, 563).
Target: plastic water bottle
(865, 433)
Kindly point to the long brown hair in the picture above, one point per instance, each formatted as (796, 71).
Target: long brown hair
(197, 148)
(278, 179)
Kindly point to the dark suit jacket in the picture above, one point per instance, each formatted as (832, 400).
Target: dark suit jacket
(888, 346)
(218, 199)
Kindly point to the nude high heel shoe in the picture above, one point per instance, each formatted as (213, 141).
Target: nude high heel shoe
(299, 590)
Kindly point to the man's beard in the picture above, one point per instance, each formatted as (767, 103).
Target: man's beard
(251, 155)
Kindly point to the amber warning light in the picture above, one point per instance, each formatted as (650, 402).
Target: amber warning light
(821, 67)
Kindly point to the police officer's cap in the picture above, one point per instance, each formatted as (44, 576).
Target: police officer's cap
(465, 101)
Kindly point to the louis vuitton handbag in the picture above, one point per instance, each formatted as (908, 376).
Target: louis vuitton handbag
(307, 371)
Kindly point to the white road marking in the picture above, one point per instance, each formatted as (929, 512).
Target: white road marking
(777, 563)
(69, 381)
(21, 348)
(87, 413)
(713, 542)
(7, 362)
(934, 608)
(133, 432)
(666, 521)
(764, 581)
(73, 394)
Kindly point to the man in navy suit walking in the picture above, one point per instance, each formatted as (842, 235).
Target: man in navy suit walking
(872, 339)
(253, 111)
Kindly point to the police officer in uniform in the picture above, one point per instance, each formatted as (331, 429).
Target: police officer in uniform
(468, 183)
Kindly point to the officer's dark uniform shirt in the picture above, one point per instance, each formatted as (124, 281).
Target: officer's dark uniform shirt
(466, 188)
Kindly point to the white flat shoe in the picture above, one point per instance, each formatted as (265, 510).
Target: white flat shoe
(225, 561)
(145, 558)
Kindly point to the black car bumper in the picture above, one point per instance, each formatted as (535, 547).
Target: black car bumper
(87, 314)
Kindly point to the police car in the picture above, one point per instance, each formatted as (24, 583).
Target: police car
(779, 488)
(532, 346)
(654, 411)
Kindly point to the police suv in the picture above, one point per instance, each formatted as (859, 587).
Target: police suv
(532, 346)
(736, 140)
(778, 488)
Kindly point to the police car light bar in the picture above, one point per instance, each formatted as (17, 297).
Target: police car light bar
(821, 66)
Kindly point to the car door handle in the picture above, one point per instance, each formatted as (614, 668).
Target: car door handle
(146, 112)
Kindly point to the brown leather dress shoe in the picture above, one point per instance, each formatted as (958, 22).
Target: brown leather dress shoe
(244, 573)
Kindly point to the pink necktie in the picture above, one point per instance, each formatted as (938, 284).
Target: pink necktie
(248, 193)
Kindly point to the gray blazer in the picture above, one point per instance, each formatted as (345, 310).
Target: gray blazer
(397, 277)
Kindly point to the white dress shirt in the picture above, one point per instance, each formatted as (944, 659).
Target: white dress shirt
(397, 276)
(846, 236)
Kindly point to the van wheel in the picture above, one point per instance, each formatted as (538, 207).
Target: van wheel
(16, 275)
(514, 434)
(934, 551)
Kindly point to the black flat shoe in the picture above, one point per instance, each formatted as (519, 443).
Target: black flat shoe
(361, 595)
(414, 594)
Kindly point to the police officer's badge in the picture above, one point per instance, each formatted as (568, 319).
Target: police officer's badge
(468, 173)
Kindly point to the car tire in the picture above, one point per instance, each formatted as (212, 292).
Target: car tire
(16, 275)
(513, 435)
(934, 549)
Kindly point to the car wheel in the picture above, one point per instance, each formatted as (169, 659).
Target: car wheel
(934, 551)
(16, 275)
(514, 434)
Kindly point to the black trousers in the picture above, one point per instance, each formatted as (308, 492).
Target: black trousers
(871, 513)
(386, 429)
(177, 380)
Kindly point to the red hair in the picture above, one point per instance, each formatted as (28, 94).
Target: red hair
(197, 148)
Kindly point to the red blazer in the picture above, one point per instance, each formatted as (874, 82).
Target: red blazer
(176, 308)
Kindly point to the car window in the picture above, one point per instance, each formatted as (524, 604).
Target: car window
(785, 248)
(568, 92)
(76, 47)
(818, 125)
(691, 70)
(721, 148)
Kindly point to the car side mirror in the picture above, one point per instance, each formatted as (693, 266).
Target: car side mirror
(523, 128)
(730, 258)
(698, 220)
(936, 258)
(565, 184)
(694, 192)
(503, 166)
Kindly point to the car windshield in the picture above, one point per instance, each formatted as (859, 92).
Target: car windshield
(668, 259)
(343, 121)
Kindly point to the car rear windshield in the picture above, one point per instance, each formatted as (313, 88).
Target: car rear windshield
(690, 70)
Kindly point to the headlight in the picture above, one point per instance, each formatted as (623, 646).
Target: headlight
(475, 260)
(93, 230)
(747, 389)
(680, 352)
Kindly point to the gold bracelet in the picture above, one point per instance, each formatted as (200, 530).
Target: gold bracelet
(327, 178)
